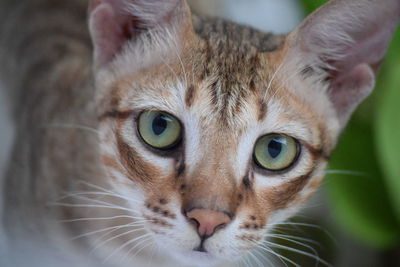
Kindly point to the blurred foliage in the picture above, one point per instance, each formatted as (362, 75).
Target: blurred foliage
(311, 5)
(364, 183)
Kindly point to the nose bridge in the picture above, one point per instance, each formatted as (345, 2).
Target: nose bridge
(212, 185)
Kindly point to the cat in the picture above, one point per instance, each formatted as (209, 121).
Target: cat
(158, 137)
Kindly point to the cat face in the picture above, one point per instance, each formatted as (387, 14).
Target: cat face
(214, 132)
(212, 164)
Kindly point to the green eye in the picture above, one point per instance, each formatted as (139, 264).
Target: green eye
(275, 152)
(159, 129)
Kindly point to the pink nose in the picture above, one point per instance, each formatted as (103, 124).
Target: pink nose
(208, 221)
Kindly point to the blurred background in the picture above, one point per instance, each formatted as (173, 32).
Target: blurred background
(354, 219)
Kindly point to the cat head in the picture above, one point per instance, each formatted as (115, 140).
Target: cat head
(215, 132)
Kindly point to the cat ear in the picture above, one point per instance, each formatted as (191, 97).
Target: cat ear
(113, 23)
(345, 41)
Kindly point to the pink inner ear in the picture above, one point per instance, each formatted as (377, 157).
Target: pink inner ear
(369, 48)
(348, 89)
(107, 34)
(110, 30)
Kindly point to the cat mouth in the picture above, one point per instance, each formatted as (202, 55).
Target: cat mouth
(201, 248)
(200, 254)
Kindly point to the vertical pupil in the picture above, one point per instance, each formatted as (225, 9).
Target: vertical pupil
(160, 123)
(274, 148)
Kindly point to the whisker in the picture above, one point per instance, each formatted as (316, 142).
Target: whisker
(135, 246)
(99, 218)
(295, 224)
(256, 260)
(86, 206)
(153, 253)
(265, 257)
(113, 238)
(102, 230)
(280, 257)
(96, 187)
(299, 252)
(101, 202)
(94, 193)
(248, 261)
(296, 238)
(287, 79)
(125, 245)
(180, 61)
(244, 260)
(112, 231)
(298, 243)
(300, 224)
(72, 126)
(273, 78)
(170, 68)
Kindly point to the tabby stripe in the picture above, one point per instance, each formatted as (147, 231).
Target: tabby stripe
(288, 192)
(134, 164)
(116, 114)
(190, 94)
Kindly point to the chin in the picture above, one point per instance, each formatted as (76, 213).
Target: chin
(197, 258)
(191, 257)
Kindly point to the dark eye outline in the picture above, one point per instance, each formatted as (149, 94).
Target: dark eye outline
(165, 150)
(283, 170)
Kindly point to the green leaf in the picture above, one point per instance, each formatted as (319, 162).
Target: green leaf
(359, 198)
(388, 125)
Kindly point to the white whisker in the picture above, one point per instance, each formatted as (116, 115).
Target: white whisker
(96, 187)
(87, 206)
(244, 260)
(125, 245)
(296, 238)
(280, 257)
(296, 224)
(103, 230)
(256, 260)
(113, 238)
(265, 257)
(72, 126)
(99, 218)
(94, 193)
(180, 61)
(294, 74)
(170, 68)
(135, 246)
(298, 243)
(299, 252)
(273, 78)
(101, 202)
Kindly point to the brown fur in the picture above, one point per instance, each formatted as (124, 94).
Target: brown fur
(221, 80)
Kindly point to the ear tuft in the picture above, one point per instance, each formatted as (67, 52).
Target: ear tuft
(346, 40)
(113, 23)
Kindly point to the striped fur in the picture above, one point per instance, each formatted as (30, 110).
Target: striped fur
(78, 155)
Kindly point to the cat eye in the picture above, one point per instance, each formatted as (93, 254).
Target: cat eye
(159, 130)
(276, 152)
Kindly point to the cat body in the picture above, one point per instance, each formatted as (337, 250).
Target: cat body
(88, 183)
